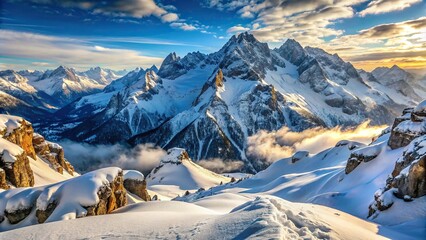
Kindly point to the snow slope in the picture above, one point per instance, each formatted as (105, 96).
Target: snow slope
(177, 174)
(321, 179)
(219, 217)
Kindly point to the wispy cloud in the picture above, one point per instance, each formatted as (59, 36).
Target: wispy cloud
(384, 6)
(392, 43)
(69, 51)
(236, 29)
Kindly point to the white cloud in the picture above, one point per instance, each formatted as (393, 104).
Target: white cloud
(275, 145)
(236, 29)
(87, 157)
(384, 6)
(69, 51)
(183, 26)
(220, 166)
(169, 17)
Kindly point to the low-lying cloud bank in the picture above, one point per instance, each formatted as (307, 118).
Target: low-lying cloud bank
(275, 145)
(217, 165)
(86, 157)
(144, 157)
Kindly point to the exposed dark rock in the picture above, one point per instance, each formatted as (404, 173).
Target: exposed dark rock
(299, 155)
(23, 137)
(138, 188)
(111, 197)
(18, 172)
(413, 181)
(52, 152)
(407, 127)
(43, 215)
(365, 154)
(18, 215)
(3, 181)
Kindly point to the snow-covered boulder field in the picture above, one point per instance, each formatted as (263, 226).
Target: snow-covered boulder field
(94, 193)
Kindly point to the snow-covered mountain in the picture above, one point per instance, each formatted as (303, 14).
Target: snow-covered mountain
(65, 85)
(100, 75)
(50, 90)
(397, 83)
(19, 86)
(210, 104)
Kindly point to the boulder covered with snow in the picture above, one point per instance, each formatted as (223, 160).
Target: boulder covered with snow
(134, 182)
(364, 154)
(94, 193)
(408, 127)
(299, 155)
(419, 112)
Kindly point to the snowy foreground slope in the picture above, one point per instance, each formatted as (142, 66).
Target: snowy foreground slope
(225, 216)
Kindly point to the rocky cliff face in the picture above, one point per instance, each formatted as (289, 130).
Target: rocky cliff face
(111, 196)
(408, 178)
(23, 137)
(17, 169)
(408, 127)
(52, 152)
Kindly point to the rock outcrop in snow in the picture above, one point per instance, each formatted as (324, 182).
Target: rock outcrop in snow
(408, 178)
(135, 183)
(94, 193)
(19, 145)
(408, 127)
(53, 152)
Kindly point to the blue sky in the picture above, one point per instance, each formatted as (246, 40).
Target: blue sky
(40, 34)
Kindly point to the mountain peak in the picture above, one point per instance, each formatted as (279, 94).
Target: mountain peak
(153, 68)
(175, 155)
(172, 57)
(292, 51)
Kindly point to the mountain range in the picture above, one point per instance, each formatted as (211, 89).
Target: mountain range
(210, 104)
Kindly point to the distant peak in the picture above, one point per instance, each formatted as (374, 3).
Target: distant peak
(396, 67)
(153, 68)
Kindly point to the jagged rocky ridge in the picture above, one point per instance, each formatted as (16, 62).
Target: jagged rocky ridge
(210, 104)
